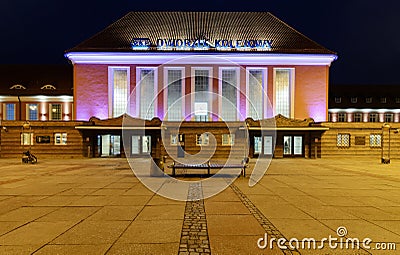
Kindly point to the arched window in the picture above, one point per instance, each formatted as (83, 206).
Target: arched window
(17, 86)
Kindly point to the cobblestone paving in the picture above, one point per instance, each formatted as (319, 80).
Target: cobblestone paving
(269, 228)
(194, 237)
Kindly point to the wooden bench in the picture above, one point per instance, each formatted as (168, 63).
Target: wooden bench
(209, 166)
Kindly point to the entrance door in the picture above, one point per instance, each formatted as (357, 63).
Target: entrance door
(292, 145)
(263, 145)
(141, 144)
(257, 145)
(268, 145)
(110, 145)
(297, 145)
(287, 145)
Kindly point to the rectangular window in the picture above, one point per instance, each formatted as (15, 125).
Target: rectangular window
(375, 140)
(202, 139)
(228, 139)
(338, 100)
(297, 145)
(268, 146)
(388, 117)
(373, 117)
(146, 144)
(135, 144)
(55, 111)
(357, 117)
(257, 145)
(174, 94)
(283, 91)
(354, 100)
(255, 93)
(32, 112)
(26, 138)
(229, 94)
(141, 144)
(174, 139)
(201, 94)
(343, 140)
(397, 99)
(119, 87)
(368, 100)
(10, 111)
(145, 90)
(60, 138)
(383, 100)
(342, 117)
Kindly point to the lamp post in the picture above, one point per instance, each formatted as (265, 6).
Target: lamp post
(385, 160)
(27, 126)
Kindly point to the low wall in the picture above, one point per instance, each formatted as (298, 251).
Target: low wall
(43, 141)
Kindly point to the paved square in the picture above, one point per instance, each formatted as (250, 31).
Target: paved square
(98, 206)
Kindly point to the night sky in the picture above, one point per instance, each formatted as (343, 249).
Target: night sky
(364, 33)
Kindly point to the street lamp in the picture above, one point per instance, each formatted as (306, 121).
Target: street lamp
(385, 160)
(27, 126)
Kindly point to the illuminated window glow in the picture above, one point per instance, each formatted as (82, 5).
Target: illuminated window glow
(201, 97)
(32, 112)
(228, 139)
(343, 140)
(10, 111)
(229, 91)
(146, 95)
(255, 93)
(60, 138)
(26, 138)
(283, 95)
(55, 111)
(119, 86)
(174, 94)
(375, 140)
(202, 139)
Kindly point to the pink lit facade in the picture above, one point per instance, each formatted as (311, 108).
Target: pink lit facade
(308, 91)
(36, 108)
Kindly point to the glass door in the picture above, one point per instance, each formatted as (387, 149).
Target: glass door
(268, 145)
(297, 145)
(257, 145)
(293, 145)
(287, 145)
(141, 144)
(110, 145)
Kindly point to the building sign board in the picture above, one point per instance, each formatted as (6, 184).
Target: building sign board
(201, 44)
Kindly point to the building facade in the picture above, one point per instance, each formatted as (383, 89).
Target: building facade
(200, 69)
(367, 103)
(36, 93)
(177, 84)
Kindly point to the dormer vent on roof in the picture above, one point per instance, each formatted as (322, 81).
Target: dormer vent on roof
(17, 86)
(48, 87)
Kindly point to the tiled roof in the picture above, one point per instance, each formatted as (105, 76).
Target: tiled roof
(34, 77)
(200, 25)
